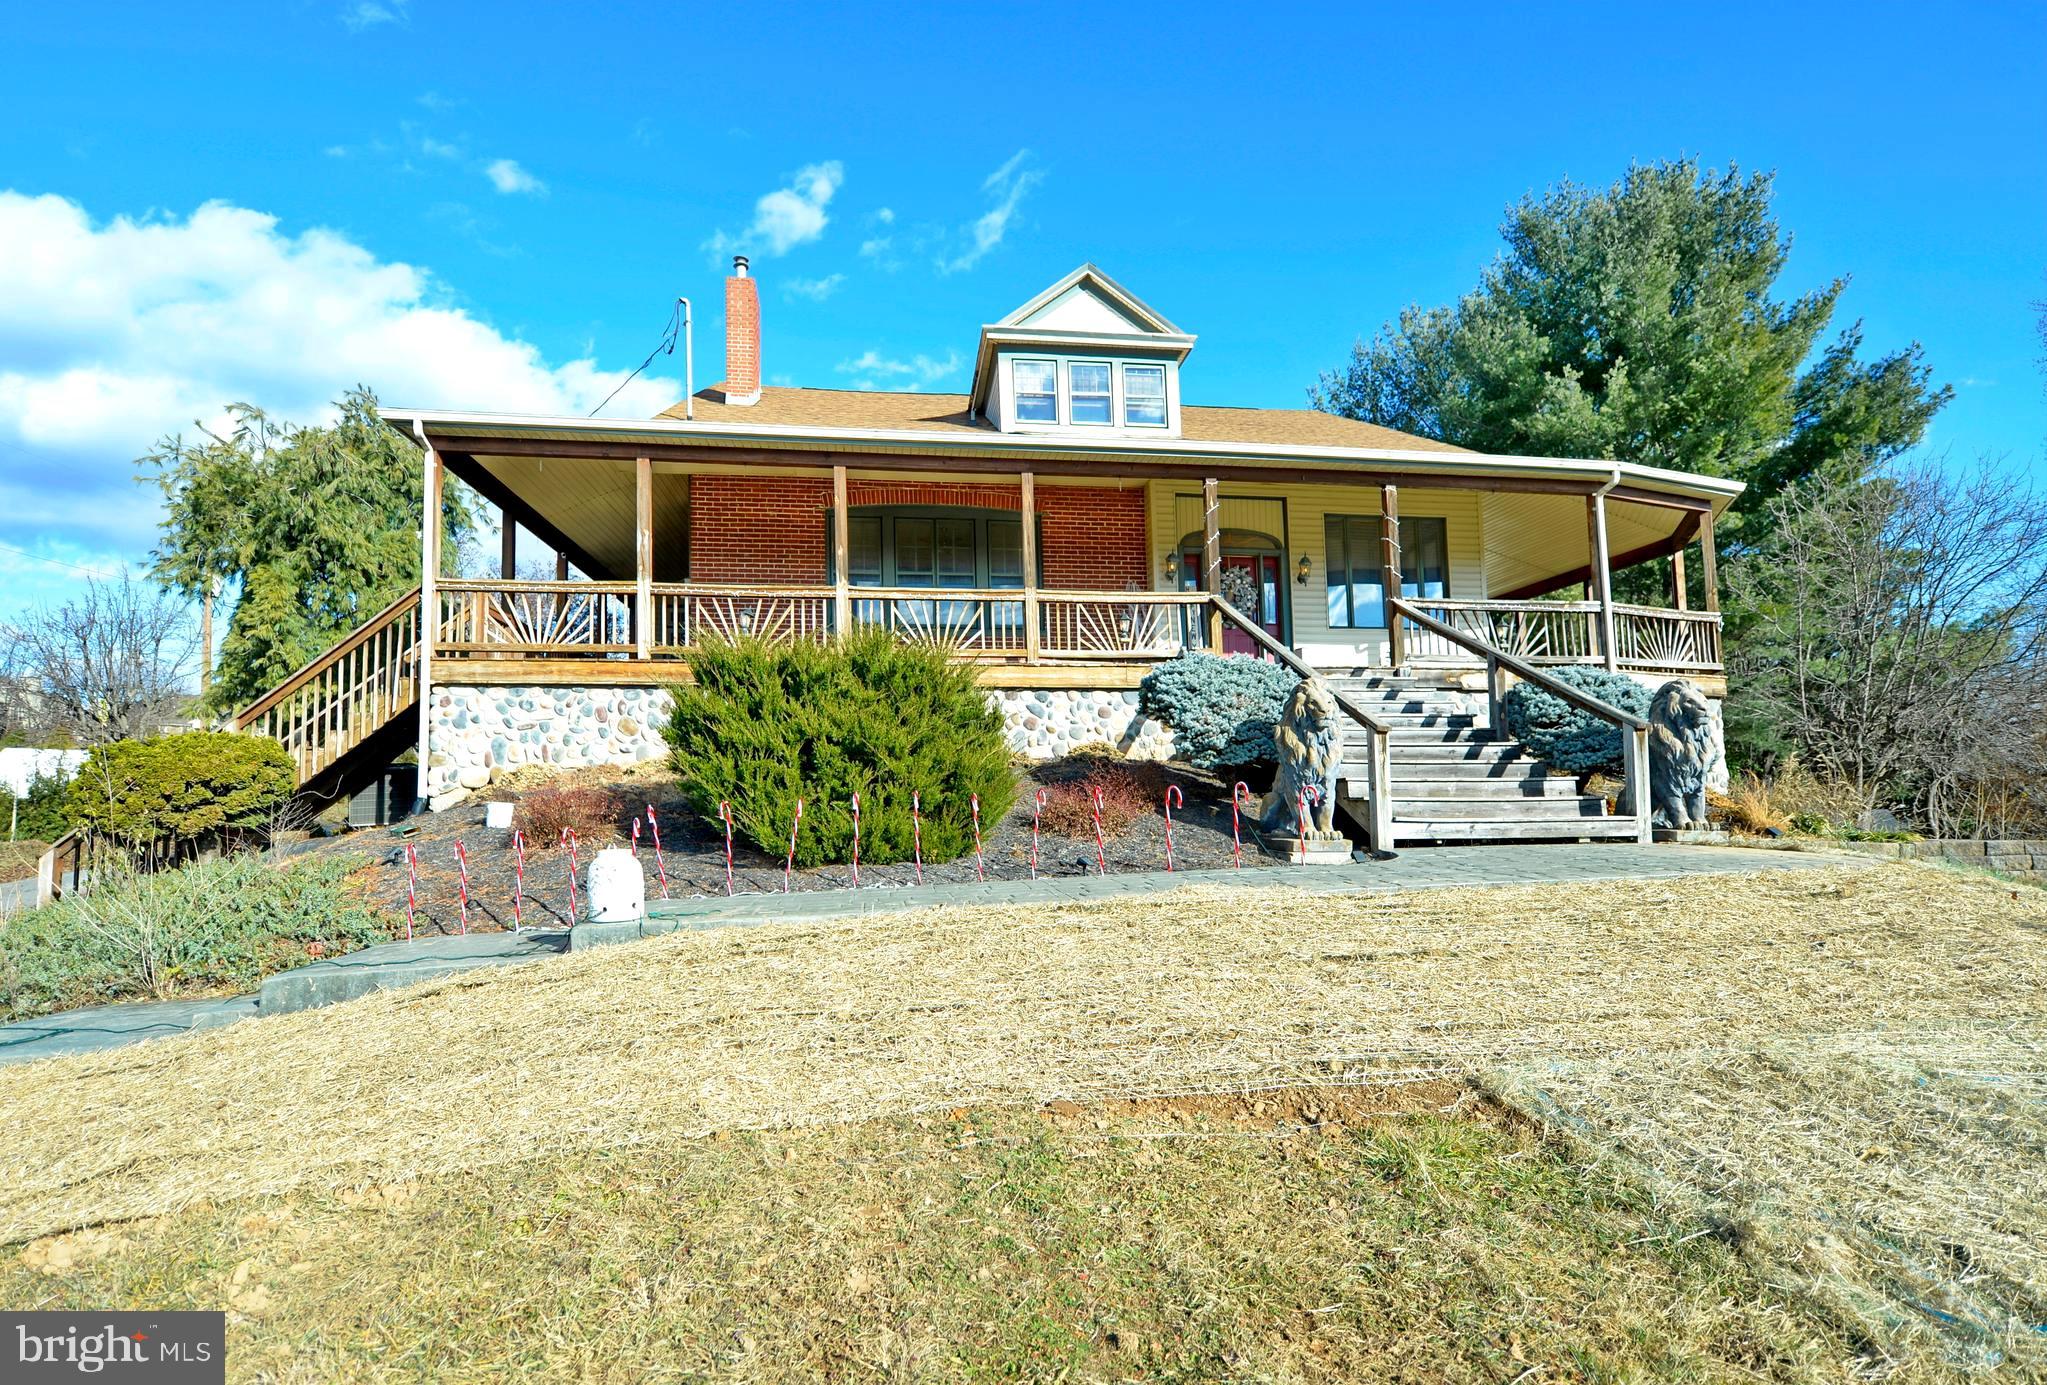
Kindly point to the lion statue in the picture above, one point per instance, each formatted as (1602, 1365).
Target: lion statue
(1680, 754)
(1310, 740)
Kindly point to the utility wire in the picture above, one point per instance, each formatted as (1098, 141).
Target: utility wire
(666, 347)
(59, 562)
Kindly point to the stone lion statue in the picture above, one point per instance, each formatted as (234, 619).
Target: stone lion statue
(1680, 754)
(1310, 740)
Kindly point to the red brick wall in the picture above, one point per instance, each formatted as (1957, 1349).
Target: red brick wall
(1094, 538)
(759, 529)
(743, 529)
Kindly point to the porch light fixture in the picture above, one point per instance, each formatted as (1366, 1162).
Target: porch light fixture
(1173, 569)
(1301, 571)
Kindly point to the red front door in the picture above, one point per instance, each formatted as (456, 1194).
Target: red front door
(1250, 583)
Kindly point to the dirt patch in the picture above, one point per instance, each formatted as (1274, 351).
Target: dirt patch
(1282, 1110)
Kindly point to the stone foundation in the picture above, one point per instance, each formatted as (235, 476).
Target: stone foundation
(480, 733)
(1045, 723)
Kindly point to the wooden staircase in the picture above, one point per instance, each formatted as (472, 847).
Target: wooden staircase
(348, 710)
(1454, 778)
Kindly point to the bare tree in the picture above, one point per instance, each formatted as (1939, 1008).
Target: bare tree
(1893, 631)
(110, 664)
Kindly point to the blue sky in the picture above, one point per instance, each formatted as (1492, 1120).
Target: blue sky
(493, 206)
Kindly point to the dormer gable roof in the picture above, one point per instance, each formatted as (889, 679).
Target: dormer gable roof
(1085, 309)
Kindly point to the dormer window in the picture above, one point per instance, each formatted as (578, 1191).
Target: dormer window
(1144, 396)
(1088, 387)
(1037, 391)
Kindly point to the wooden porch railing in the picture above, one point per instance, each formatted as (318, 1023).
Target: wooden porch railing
(338, 700)
(494, 617)
(1657, 640)
(1551, 633)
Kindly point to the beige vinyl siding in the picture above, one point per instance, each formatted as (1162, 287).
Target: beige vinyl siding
(1533, 538)
(1176, 511)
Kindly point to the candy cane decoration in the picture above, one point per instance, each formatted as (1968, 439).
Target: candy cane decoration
(1036, 814)
(636, 839)
(1101, 852)
(917, 831)
(1174, 799)
(660, 866)
(411, 887)
(789, 868)
(568, 840)
(518, 880)
(1308, 794)
(856, 841)
(1240, 796)
(725, 812)
(462, 861)
(980, 868)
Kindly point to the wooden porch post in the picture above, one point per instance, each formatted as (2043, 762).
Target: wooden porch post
(842, 580)
(1212, 556)
(508, 545)
(643, 557)
(435, 476)
(1389, 570)
(1601, 575)
(561, 567)
(1027, 506)
(1680, 598)
(1709, 562)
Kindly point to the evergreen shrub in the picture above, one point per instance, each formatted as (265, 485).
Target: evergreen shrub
(43, 814)
(226, 923)
(1566, 738)
(1222, 709)
(173, 793)
(764, 726)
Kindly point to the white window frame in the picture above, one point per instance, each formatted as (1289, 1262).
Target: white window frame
(1017, 391)
(1109, 366)
(1123, 400)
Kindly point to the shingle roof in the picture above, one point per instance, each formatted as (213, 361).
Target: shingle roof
(942, 413)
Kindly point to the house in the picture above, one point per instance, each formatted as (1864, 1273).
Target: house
(1065, 524)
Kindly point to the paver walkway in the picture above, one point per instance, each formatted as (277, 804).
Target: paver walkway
(407, 963)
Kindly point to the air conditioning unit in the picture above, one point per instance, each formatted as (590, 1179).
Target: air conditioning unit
(386, 799)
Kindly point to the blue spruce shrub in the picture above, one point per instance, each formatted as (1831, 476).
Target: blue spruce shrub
(1221, 710)
(1565, 737)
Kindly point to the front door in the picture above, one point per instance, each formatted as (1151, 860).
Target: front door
(1250, 582)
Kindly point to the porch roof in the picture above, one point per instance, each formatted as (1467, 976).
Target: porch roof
(904, 430)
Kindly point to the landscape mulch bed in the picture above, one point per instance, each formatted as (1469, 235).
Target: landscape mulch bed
(693, 851)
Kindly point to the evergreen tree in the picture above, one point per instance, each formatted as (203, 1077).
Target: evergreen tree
(1639, 323)
(313, 529)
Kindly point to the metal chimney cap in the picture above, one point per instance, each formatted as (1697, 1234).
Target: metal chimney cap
(739, 266)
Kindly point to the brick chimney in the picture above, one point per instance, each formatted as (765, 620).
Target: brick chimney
(742, 336)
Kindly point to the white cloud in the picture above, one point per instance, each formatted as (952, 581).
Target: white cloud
(1007, 185)
(115, 333)
(507, 177)
(886, 216)
(434, 101)
(787, 217)
(872, 371)
(816, 290)
(367, 14)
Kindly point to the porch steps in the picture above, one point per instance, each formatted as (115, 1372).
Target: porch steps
(1456, 778)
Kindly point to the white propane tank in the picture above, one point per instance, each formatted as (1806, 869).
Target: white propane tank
(618, 888)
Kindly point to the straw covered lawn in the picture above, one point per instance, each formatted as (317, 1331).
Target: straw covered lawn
(1842, 1068)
